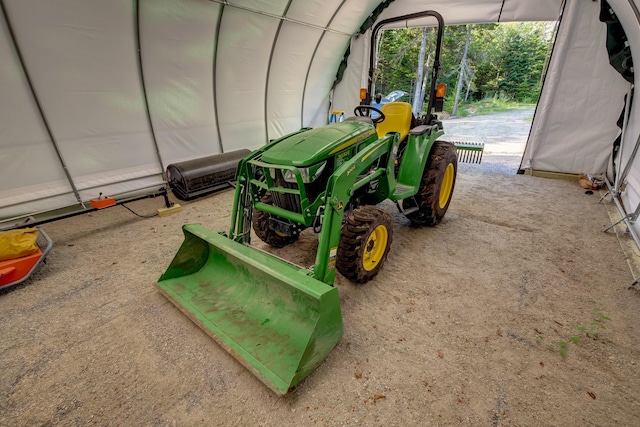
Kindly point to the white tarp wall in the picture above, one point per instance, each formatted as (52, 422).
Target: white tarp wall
(82, 111)
(81, 61)
(583, 96)
(100, 96)
(576, 119)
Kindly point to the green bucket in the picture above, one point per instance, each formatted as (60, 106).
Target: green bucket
(278, 321)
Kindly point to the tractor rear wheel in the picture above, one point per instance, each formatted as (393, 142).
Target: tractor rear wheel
(365, 240)
(436, 186)
(260, 222)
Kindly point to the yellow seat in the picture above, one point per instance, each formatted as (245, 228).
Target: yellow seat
(397, 119)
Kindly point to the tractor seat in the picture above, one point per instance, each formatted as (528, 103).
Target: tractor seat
(397, 119)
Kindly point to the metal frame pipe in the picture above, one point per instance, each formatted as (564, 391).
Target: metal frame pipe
(625, 217)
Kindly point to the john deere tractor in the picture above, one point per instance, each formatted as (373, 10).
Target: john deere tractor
(281, 320)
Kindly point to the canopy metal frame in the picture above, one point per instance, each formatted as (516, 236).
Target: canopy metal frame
(617, 187)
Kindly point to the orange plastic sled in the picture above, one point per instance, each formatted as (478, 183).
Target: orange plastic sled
(15, 271)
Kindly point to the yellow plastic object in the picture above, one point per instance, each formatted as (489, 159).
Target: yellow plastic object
(397, 119)
(175, 208)
(336, 116)
(18, 243)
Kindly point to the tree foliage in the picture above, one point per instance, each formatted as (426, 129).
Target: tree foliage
(504, 60)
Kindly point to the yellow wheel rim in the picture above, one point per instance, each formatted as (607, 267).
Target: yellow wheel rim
(447, 185)
(375, 247)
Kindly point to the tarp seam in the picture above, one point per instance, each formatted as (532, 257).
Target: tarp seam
(635, 10)
(313, 56)
(214, 80)
(281, 18)
(144, 91)
(266, 86)
(544, 81)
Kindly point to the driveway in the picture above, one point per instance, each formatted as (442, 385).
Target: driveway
(504, 135)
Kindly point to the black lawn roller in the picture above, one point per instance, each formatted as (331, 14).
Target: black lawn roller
(195, 178)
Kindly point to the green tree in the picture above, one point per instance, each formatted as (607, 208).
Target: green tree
(503, 59)
(398, 60)
(522, 58)
(484, 54)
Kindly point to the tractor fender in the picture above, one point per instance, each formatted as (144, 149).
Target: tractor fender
(415, 155)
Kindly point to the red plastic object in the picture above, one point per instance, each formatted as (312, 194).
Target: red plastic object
(102, 203)
(13, 270)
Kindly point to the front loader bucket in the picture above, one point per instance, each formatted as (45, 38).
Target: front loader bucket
(279, 322)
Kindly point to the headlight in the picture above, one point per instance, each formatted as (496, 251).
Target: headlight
(309, 174)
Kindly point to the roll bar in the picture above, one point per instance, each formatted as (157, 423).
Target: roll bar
(436, 63)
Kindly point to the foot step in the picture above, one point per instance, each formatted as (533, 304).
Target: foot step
(402, 188)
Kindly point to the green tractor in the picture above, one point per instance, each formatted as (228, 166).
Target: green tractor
(281, 320)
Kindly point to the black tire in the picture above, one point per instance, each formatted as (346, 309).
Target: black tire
(260, 222)
(432, 202)
(364, 243)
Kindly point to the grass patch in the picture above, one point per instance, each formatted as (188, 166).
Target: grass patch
(592, 331)
(496, 104)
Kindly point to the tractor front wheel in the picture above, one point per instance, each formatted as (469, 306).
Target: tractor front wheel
(436, 186)
(260, 222)
(364, 243)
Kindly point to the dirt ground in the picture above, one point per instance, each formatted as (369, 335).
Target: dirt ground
(469, 323)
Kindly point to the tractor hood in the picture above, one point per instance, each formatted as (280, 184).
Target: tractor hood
(315, 145)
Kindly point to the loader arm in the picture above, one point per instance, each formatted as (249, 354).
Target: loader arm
(341, 187)
(239, 230)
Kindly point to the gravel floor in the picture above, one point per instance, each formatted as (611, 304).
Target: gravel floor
(468, 323)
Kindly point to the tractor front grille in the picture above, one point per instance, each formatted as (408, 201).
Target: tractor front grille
(290, 202)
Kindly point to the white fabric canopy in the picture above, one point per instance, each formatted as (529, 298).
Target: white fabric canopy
(582, 99)
(101, 96)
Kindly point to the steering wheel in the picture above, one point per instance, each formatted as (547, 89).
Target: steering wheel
(365, 111)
